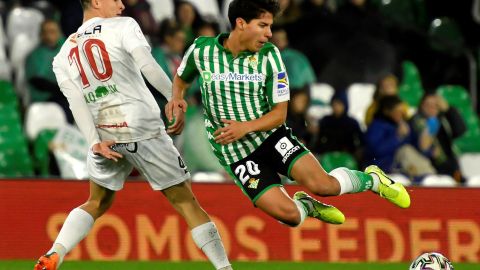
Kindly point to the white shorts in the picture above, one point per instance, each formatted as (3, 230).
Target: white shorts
(156, 159)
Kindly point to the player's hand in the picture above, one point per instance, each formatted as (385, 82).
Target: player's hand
(232, 132)
(103, 149)
(175, 111)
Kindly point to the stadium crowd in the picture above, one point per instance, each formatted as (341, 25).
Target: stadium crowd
(384, 82)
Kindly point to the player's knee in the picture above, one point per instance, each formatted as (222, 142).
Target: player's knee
(324, 186)
(290, 216)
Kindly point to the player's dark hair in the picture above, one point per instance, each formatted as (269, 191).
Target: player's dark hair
(251, 9)
(85, 3)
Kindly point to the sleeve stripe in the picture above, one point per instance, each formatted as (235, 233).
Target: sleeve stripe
(185, 59)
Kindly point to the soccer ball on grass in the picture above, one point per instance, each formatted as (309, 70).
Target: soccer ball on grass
(431, 261)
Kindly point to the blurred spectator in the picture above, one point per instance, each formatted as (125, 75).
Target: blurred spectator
(290, 13)
(300, 72)
(140, 11)
(189, 19)
(297, 115)
(386, 86)
(208, 29)
(314, 33)
(360, 18)
(38, 69)
(172, 45)
(338, 131)
(437, 124)
(390, 142)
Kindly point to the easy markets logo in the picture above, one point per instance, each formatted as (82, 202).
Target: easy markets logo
(208, 77)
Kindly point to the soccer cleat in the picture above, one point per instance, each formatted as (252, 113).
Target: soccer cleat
(388, 189)
(47, 262)
(324, 212)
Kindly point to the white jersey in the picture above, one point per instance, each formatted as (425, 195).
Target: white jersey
(97, 58)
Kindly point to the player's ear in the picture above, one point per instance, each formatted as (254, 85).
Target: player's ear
(240, 23)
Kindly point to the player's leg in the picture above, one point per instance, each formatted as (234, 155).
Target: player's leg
(308, 172)
(76, 226)
(204, 231)
(276, 203)
(106, 177)
(160, 163)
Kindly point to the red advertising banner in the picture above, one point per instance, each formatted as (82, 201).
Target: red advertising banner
(141, 225)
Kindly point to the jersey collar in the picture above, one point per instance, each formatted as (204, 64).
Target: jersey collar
(219, 43)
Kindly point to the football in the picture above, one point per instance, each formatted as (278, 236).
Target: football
(431, 261)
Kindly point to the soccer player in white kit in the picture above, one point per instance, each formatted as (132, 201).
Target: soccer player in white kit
(99, 69)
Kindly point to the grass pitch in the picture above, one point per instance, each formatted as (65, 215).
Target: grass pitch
(134, 265)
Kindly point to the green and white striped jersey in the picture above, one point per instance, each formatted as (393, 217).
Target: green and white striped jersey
(238, 88)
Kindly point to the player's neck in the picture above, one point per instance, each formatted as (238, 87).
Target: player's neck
(88, 14)
(233, 44)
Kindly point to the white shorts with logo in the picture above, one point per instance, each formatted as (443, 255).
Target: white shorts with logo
(156, 159)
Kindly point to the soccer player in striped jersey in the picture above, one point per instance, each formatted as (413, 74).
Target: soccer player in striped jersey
(245, 91)
(99, 69)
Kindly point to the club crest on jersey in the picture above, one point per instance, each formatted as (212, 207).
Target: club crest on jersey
(282, 81)
(253, 183)
(252, 61)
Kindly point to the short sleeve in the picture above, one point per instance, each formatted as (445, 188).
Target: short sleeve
(276, 81)
(132, 36)
(187, 70)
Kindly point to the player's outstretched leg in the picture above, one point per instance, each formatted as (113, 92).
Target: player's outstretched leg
(292, 212)
(321, 211)
(204, 232)
(308, 172)
(388, 189)
(76, 226)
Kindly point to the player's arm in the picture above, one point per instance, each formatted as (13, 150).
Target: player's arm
(152, 71)
(235, 130)
(186, 72)
(85, 122)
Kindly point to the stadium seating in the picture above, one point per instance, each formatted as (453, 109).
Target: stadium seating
(410, 89)
(458, 97)
(43, 115)
(438, 181)
(469, 164)
(14, 156)
(360, 96)
(320, 96)
(41, 151)
(334, 160)
(161, 9)
(22, 20)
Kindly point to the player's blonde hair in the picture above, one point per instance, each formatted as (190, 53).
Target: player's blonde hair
(85, 3)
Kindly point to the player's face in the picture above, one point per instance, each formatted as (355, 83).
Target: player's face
(257, 32)
(111, 8)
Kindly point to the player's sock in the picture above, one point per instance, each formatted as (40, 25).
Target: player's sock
(76, 227)
(208, 240)
(352, 181)
(303, 207)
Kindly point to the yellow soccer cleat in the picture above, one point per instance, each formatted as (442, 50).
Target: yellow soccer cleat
(324, 212)
(388, 189)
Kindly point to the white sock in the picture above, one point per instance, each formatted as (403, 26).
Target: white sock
(376, 181)
(302, 209)
(76, 227)
(208, 240)
(346, 185)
